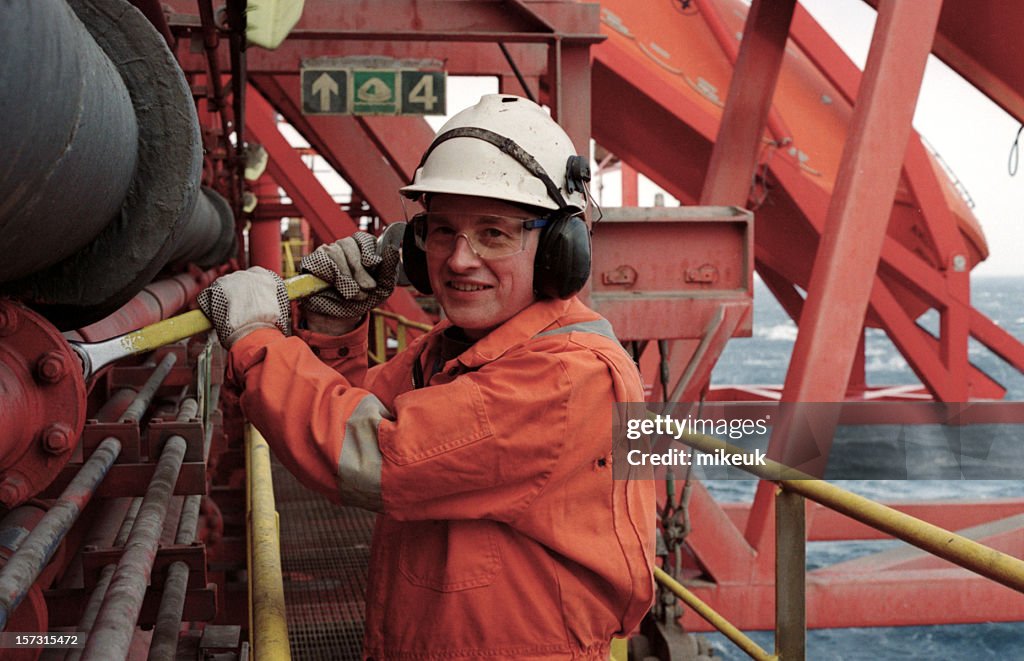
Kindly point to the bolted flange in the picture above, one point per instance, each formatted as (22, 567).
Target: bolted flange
(42, 410)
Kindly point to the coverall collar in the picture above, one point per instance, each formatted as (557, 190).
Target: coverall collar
(533, 319)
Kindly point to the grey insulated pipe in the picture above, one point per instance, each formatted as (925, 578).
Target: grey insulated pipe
(69, 144)
(100, 160)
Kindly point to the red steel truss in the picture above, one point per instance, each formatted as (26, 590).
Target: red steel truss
(849, 207)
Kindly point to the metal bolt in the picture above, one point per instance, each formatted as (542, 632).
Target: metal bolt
(52, 367)
(57, 438)
(8, 320)
(12, 490)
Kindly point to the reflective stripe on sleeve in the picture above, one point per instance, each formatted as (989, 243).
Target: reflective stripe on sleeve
(600, 327)
(597, 327)
(360, 463)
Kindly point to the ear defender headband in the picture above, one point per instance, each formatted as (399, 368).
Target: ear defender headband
(562, 265)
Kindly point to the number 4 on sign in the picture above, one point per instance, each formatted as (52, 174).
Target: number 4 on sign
(423, 92)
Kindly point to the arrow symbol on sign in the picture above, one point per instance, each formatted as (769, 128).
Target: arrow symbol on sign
(324, 85)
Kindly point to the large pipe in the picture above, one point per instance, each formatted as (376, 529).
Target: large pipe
(207, 235)
(112, 195)
(69, 141)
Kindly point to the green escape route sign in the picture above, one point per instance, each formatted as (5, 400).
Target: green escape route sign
(372, 86)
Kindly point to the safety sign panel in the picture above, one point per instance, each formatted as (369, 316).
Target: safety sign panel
(324, 92)
(423, 93)
(340, 88)
(374, 92)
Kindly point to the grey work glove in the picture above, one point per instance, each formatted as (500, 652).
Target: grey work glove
(362, 279)
(241, 302)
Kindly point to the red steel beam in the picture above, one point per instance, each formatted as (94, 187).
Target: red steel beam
(285, 166)
(343, 142)
(979, 74)
(328, 221)
(401, 143)
(630, 89)
(265, 235)
(416, 20)
(911, 271)
(965, 42)
(460, 59)
(851, 244)
(885, 599)
(748, 104)
(717, 543)
(630, 192)
(569, 76)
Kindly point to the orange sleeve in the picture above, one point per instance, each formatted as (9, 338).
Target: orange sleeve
(298, 403)
(346, 354)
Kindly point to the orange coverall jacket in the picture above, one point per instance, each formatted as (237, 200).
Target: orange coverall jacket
(501, 531)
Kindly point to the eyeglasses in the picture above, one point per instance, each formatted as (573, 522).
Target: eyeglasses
(488, 236)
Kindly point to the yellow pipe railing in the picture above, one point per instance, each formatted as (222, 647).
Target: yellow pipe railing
(292, 251)
(268, 631)
(714, 618)
(966, 553)
(380, 333)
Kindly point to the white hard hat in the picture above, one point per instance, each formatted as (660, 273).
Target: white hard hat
(504, 148)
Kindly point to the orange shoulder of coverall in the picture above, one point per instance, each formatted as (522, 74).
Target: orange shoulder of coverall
(502, 532)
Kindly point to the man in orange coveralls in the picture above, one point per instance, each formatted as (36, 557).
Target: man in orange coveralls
(486, 446)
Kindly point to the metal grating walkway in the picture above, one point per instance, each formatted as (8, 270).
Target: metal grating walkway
(325, 551)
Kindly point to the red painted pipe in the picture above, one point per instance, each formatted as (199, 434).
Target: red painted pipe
(159, 300)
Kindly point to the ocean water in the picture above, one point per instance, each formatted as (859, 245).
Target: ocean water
(763, 359)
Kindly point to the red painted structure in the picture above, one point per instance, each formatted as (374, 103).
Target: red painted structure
(800, 137)
(848, 204)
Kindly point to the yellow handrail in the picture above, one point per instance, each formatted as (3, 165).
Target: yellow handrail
(269, 628)
(966, 553)
(380, 333)
(714, 618)
(288, 256)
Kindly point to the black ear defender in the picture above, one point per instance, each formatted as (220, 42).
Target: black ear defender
(562, 265)
(414, 262)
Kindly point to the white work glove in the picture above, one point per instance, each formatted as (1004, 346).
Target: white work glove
(362, 279)
(241, 302)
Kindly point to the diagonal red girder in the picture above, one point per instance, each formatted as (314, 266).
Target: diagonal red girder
(327, 219)
(344, 143)
(672, 145)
